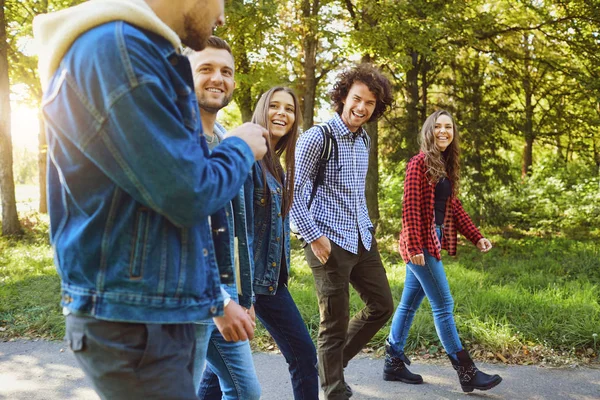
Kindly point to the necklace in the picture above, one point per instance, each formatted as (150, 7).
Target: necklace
(210, 139)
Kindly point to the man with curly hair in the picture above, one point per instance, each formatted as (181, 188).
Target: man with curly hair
(341, 248)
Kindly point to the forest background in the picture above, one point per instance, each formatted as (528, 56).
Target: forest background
(522, 79)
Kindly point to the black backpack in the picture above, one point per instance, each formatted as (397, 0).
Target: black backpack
(329, 149)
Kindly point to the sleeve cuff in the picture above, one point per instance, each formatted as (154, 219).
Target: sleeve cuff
(225, 294)
(242, 146)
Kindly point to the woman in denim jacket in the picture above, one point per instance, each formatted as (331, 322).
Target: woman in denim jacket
(279, 112)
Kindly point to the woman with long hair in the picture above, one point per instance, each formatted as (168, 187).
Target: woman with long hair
(279, 112)
(431, 216)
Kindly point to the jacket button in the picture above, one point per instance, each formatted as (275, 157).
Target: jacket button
(279, 214)
(213, 310)
(278, 238)
(273, 264)
(262, 201)
(270, 288)
(278, 190)
(205, 252)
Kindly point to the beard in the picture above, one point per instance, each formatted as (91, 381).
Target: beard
(195, 34)
(210, 106)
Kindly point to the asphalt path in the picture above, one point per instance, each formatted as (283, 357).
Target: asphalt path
(43, 370)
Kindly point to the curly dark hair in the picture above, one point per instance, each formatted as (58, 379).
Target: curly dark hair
(370, 76)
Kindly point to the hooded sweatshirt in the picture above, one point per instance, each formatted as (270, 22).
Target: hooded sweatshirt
(56, 32)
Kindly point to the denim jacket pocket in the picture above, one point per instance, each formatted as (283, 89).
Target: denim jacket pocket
(260, 198)
(140, 238)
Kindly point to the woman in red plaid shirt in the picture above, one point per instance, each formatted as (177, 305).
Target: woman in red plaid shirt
(431, 215)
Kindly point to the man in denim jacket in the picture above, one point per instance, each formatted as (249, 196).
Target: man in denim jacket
(231, 359)
(131, 187)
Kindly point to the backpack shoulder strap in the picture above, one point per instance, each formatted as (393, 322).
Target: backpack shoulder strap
(328, 150)
(366, 140)
(328, 141)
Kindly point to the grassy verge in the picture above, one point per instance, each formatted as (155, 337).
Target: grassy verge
(29, 285)
(531, 299)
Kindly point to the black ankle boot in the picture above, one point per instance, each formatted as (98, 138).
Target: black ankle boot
(469, 376)
(395, 369)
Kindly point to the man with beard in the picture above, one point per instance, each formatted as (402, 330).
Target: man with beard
(229, 354)
(131, 188)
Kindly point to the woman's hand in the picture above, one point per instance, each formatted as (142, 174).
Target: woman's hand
(418, 259)
(484, 245)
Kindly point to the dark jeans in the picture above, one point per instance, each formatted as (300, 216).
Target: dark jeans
(134, 361)
(281, 318)
(341, 338)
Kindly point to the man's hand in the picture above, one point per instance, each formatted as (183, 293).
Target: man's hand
(236, 324)
(321, 248)
(251, 313)
(254, 135)
(484, 245)
(418, 259)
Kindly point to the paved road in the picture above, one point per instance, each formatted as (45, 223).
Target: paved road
(44, 370)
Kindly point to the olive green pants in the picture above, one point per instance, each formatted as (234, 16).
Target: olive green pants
(341, 338)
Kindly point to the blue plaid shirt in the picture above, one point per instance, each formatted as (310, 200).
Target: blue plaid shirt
(339, 209)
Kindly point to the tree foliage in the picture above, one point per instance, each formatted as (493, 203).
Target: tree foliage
(522, 79)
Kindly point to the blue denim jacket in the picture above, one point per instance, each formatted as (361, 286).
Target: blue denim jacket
(238, 225)
(131, 184)
(271, 233)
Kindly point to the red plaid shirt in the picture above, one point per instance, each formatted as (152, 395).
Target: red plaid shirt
(418, 226)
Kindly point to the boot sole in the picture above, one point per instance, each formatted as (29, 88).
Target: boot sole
(389, 377)
(469, 389)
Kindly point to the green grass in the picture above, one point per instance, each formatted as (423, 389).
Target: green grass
(531, 294)
(528, 294)
(29, 285)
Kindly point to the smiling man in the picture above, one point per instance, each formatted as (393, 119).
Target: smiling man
(227, 338)
(342, 249)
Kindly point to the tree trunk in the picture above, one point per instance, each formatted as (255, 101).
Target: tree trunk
(528, 131)
(528, 126)
(243, 93)
(310, 81)
(372, 184)
(412, 106)
(596, 145)
(244, 100)
(10, 220)
(425, 67)
(42, 160)
(310, 10)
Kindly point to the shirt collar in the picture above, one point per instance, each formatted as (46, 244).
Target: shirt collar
(219, 130)
(342, 128)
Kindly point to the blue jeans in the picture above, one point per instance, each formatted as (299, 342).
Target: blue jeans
(232, 362)
(428, 280)
(280, 316)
